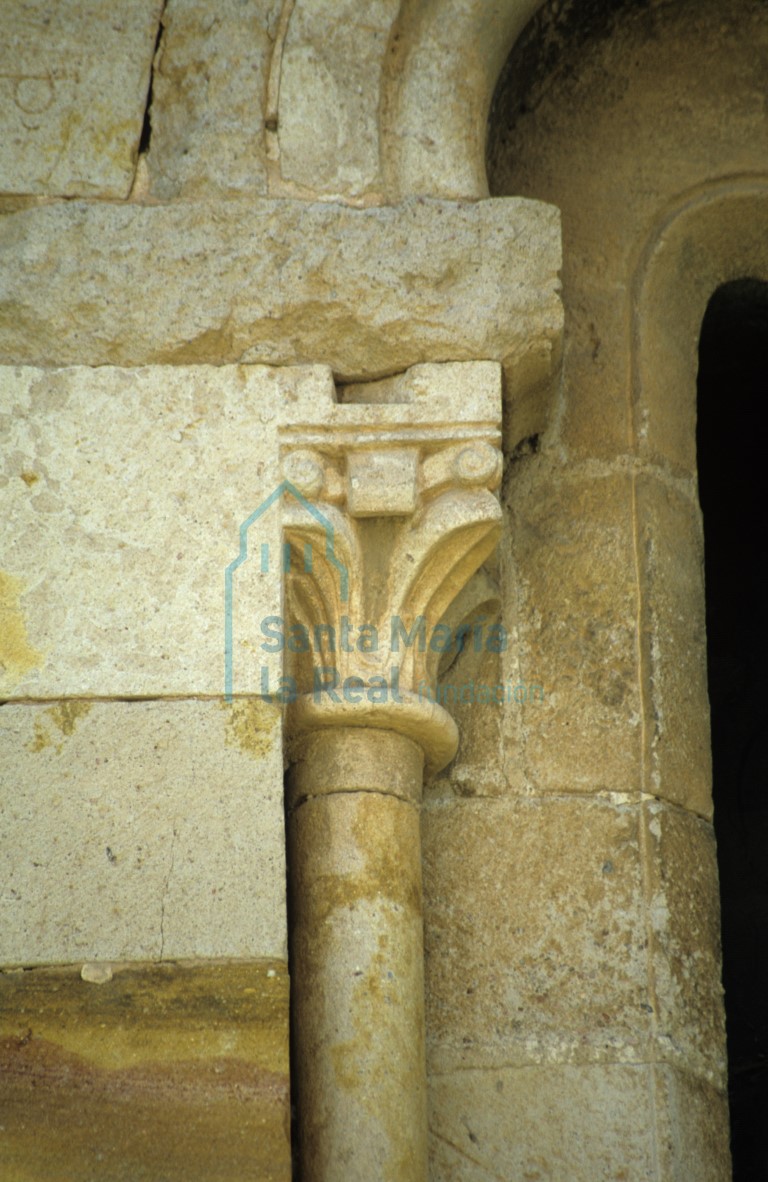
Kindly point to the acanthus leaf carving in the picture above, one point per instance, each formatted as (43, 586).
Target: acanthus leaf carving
(396, 511)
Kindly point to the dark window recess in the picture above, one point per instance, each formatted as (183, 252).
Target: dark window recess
(732, 445)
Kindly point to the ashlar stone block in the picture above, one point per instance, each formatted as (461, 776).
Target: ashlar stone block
(684, 911)
(73, 87)
(562, 1124)
(674, 646)
(369, 292)
(330, 94)
(208, 99)
(535, 932)
(574, 610)
(125, 575)
(114, 544)
(141, 831)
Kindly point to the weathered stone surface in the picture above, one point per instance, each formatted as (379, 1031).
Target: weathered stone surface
(685, 925)
(633, 974)
(562, 1124)
(330, 94)
(141, 830)
(208, 99)
(73, 80)
(368, 292)
(571, 566)
(605, 139)
(116, 559)
(535, 932)
(674, 646)
(123, 574)
(164, 1071)
(597, 413)
(358, 989)
(474, 692)
(693, 1127)
(443, 64)
(710, 241)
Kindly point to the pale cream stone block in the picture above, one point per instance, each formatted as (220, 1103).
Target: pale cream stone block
(124, 496)
(73, 87)
(562, 1124)
(118, 558)
(330, 94)
(369, 292)
(141, 830)
(383, 485)
(571, 930)
(208, 99)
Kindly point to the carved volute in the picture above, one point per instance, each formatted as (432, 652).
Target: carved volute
(389, 510)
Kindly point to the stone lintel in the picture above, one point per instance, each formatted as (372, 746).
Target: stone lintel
(368, 292)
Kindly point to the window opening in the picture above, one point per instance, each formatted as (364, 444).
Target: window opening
(733, 490)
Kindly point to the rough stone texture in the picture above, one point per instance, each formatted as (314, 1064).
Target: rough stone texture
(368, 292)
(535, 940)
(562, 1124)
(443, 62)
(163, 1071)
(358, 993)
(604, 136)
(73, 81)
(208, 95)
(115, 565)
(674, 646)
(163, 560)
(693, 1128)
(141, 830)
(329, 94)
(649, 148)
(477, 768)
(661, 203)
(685, 927)
(576, 1124)
(572, 568)
(632, 975)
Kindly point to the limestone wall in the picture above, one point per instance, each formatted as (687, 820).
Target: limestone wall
(646, 127)
(209, 213)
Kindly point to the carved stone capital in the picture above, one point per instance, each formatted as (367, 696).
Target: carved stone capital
(390, 508)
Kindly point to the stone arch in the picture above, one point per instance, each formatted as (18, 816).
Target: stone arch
(443, 62)
(711, 236)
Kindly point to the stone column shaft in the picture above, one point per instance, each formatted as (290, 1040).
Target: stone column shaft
(357, 957)
(389, 509)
